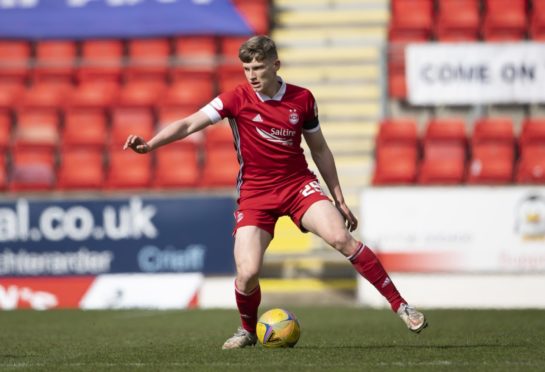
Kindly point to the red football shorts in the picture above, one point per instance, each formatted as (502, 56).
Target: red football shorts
(263, 208)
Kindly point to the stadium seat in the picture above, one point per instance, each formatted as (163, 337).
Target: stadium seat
(81, 168)
(95, 94)
(229, 46)
(256, 13)
(126, 121)
(492, 151)
(194, 56)
(397, 131)
(220, 167)
(229, 77)
(11, 93)
(101, 60)
(15, 56)
(32, 169)
(395, 164)
(444, 152)
(46, 95)
(457, 20)
(36, 128)
(85, 128)
(537, 22)
(128, 170)
(191, 91)
(177, 165)
(219, 135)
(413, 17)
(531, 164)
(491, 163)
(55, 60)
(141, 94)
(397, 152)
(505, 20)
(148, 59)
(5, 130)
(3, 172)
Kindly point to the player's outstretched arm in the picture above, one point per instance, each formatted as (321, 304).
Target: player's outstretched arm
(176, 130)
(322, 156)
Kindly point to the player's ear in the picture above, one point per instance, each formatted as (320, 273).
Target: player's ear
(277, 65)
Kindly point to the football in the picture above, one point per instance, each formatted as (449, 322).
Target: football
(278, 328)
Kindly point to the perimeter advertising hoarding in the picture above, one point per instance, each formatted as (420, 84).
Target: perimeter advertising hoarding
(83, 19)
(475, 73)
(458, 229)
(45, 237)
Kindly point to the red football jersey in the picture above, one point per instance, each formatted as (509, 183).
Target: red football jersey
(267, 132)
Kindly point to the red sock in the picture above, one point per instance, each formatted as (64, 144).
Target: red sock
(247, 304)
(367, 264)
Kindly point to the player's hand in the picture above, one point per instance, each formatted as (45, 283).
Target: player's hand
(349, 218)
(137, 144)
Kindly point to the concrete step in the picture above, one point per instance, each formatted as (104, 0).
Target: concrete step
(357, 73)
(324, 35)
(324, 55)
(331, 17)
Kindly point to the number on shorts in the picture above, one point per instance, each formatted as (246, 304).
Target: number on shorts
(311, 188)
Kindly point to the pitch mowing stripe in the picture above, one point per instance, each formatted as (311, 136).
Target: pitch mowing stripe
(305, 285)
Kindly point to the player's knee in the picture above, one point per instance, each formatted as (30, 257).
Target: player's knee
(247, 279)
(340, 240)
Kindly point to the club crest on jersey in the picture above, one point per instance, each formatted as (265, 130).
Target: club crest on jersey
(293, 117)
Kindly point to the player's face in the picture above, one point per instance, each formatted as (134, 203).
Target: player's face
(262, 76)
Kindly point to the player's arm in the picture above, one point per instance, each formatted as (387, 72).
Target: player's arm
(176, 130)
(322, 156)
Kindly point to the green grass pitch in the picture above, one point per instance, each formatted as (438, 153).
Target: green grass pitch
(333, 339)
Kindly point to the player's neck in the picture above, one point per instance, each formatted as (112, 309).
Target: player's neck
(271, 90)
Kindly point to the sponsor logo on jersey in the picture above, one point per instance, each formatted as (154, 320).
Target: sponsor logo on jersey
(258, 119)
(293, 117)
(278, 136)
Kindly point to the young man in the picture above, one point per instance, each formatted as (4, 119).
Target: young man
(268, 118)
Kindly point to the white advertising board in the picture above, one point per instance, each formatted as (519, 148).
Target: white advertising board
(475, 73)
(459, 229)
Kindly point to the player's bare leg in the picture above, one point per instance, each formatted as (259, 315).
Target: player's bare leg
(323, 219)
(250, 245)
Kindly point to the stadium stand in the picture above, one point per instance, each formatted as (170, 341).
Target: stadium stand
(84, 127)
(101, 60)
(55, 61)
(127, 170)
(15, 56)
(81, 168)
(32, 169)
(177, 166)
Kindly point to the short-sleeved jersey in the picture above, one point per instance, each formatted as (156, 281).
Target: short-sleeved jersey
(267, 132)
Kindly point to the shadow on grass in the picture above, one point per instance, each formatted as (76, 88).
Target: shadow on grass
(412, 346)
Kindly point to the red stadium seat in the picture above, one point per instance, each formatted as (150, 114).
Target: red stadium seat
(396, 164)
(412, 16)
(229, 77)
(11, 93)
(81, 168)
(220, 167)
(491, 163)
(85, 128)
(537, 23)
(15, 56)
(531, 165)
(397, 131)
(194, 56)
(32, 169)
(492, 151)
(193, 91)
(55, 60)
(3, 172)
(256, 13)
(126, 121)
(101, 60)
(444, 152)
(505, 20)
(219, 135)
(177, 166)
(46, 95)
(36, 129)
(457, 20)
(128, 170)
(229, 46)
(141, 94)
(5, 130)
(148, 59)
(95, 94)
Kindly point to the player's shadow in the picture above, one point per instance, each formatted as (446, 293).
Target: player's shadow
(412, 346)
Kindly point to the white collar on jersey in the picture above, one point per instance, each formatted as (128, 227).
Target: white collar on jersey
(278, 96)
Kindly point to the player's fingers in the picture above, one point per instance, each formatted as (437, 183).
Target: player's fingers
(127, 142)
